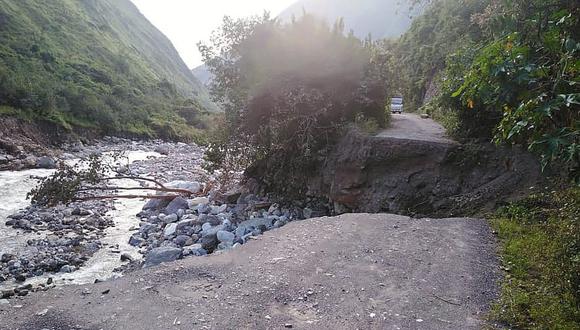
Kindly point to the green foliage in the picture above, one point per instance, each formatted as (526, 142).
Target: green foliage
(530, 80)
(505, 70)
(64, 185)
(423, 50)
(286, 97)
(540, 239)
(97, 64)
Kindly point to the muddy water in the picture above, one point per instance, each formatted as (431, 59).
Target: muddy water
(13, 189)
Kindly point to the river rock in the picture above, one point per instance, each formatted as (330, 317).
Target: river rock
(162, 254)
(192, 186)
(126, 257)
(156, 204)
(145, 228)
(225, 245)
(183, 240)
(136, 240)
(170, 218)
(225, 236)
(81, 212)
(181, 225)
(4, 294)
(4, 159)
(215, 210)
(30, 161)
(203, 208)
(193, 203)
(170, 230)
(209, 243)
(194, 250)
(67, 269)
(46, 162)
(178, 203)
(211, 219)
(7, 257)
(240, 231)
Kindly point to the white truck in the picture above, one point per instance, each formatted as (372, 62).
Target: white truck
(397, 105)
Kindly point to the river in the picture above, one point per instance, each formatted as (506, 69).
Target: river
(102, 265)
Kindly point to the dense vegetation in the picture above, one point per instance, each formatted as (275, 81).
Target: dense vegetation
(505, 70)
(541, 254)
(94, 64)
(287, 97)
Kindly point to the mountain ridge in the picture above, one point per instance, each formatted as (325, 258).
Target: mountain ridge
(378, 18)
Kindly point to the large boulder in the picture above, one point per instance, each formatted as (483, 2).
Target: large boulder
(178, 203)
(162, 254)
(225, 236)
(209, 242)
(170, 230)
(46, 162)
(192, 186)
(156, 204)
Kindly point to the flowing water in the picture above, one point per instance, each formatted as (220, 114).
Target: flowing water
(15, 185)
(13, 189)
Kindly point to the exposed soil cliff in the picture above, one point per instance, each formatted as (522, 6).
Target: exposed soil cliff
(410, 168)
(377, 174)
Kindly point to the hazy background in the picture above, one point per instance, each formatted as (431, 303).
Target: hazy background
(186, 22)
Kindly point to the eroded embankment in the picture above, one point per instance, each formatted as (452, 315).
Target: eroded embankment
(427, 178)
(418, 177)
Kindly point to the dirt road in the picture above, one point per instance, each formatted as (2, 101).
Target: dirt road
(413, 127)
(349, 272)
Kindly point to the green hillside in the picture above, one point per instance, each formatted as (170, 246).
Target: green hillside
(94, 64)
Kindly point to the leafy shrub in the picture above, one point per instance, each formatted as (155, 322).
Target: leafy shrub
(288, 90)
(531, 80)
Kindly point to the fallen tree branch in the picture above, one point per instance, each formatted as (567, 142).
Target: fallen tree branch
(136, 178)
(92, 198)
(170, 190)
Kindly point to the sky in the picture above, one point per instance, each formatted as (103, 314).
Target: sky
(186, 22)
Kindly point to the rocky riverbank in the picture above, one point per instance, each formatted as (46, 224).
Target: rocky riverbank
(64, 238)
(199, 226)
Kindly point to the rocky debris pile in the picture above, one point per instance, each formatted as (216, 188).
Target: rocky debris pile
(170, 230)
(180, 161)
(68, 237)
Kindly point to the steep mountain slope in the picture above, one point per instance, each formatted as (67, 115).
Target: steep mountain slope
(380, 18)
(202, 74)
(94, 63)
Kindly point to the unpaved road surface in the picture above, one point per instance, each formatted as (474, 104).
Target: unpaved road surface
(412, 127)
(348, 272)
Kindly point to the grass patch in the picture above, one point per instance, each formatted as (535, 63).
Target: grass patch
(540, 238)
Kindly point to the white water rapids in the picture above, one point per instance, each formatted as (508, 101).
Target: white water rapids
(15, 185)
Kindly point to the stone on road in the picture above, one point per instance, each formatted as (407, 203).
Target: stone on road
(355, 271)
